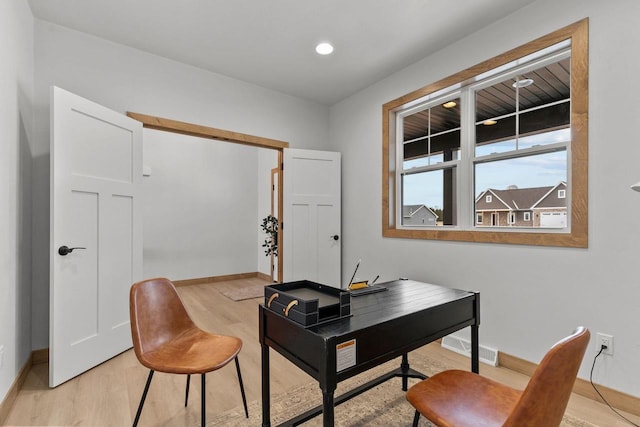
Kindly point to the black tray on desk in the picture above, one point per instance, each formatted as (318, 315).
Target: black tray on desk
(307, 303)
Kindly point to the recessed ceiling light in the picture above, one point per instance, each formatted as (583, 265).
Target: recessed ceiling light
(449, 104)
(522, 83)
(489, 122)
(324, 48)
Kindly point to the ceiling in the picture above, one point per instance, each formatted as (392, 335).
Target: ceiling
(550, 84)
(271, 42)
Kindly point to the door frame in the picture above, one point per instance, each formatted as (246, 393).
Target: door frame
(184, 128)
(275, 208)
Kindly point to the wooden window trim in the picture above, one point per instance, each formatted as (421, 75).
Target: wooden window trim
(578, 33)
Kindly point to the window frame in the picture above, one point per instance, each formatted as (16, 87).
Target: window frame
(577, 236)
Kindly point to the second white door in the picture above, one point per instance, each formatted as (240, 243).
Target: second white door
(311, 217)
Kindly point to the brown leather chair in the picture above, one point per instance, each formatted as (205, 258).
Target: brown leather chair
(165, 339)
(461, 398)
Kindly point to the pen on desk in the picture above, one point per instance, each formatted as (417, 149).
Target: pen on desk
(374, 280)
(354, 274)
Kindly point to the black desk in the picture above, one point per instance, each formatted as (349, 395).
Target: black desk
(384, 325)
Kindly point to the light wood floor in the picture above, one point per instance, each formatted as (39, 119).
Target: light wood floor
(108, 395)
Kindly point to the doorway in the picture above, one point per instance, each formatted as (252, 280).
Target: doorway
(203, 201)
(209, 133)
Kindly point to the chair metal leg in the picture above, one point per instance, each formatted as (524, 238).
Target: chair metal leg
(204, 404)
(144, 396)
(244, 398)
(186, 394)
(416, 418)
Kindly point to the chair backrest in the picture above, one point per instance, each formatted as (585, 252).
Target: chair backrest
(545, 398)
(157, 315)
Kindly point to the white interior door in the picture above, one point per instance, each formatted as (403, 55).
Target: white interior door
(96, 172)
(311, 217)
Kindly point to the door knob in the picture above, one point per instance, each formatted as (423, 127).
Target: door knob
(335, 237)
(65, 250)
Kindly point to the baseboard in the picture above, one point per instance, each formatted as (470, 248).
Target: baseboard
(617, 399)
(214, 279)
(40, 356)
(10, 398)
(264, 276)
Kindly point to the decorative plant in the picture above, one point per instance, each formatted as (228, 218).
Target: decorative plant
(270, 227)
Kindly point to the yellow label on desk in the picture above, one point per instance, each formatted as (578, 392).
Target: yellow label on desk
(345, 355)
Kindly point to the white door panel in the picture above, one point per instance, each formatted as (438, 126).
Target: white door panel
(312, 216)
(96, 162)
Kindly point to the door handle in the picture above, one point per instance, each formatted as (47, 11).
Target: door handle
(335, 237)
(65, 250)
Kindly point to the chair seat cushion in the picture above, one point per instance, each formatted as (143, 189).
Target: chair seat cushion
(478, 402)
(192, 352)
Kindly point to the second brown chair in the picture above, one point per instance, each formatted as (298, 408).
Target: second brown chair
(457, 398)
(165, 339)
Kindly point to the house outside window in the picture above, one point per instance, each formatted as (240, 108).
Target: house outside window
(455, 139)
(523, 201)
(418, 215)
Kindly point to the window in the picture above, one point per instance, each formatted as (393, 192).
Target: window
(494, 127)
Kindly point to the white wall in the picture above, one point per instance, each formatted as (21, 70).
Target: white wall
(530, 296)
(126, 79)
(16, 92)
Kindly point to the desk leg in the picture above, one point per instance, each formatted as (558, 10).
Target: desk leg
(327, 408)
(266, 392)
(404, 368)
(475, 350)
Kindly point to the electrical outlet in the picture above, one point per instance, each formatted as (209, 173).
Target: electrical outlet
(605, 340)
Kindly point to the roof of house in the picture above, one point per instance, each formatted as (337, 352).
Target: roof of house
(410, 210)
(516, 198)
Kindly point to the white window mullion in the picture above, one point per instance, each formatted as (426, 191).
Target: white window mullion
(399, 169)
(466, 193)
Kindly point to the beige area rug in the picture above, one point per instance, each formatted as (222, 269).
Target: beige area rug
(239, 293)
(384, 405)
